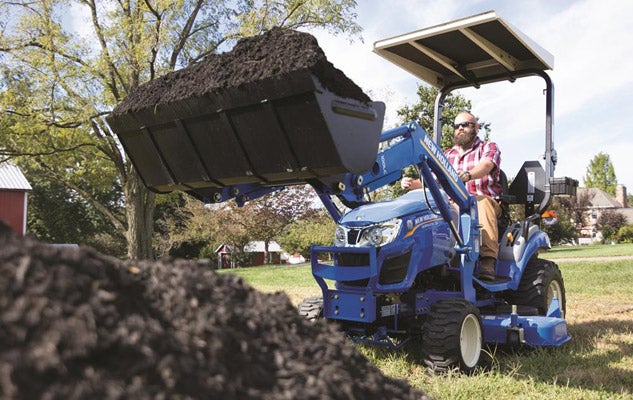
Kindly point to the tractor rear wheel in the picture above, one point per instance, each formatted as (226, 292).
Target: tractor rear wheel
(311, 308)
(452, 336)
(541, 280)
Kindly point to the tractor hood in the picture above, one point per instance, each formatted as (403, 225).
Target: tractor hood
(410, 203)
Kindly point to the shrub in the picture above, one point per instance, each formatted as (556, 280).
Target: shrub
(625, 234)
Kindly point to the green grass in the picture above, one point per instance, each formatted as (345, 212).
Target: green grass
(595, 250)
(596, 364)
(296, 281)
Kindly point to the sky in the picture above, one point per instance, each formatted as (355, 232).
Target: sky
(592, 45)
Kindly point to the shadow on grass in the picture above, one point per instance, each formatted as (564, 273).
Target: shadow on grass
(598, 358)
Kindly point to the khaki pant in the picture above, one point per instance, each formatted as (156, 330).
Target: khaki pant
(489, 213)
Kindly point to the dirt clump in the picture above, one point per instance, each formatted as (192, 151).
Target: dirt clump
(269, 56)
(78, 324)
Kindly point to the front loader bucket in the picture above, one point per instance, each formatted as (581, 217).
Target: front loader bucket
(282, 129)
(267, 132)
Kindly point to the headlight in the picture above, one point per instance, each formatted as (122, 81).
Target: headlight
(380, 234)
(372, 235)
(340, 236)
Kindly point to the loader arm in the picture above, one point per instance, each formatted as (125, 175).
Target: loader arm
(409, 145)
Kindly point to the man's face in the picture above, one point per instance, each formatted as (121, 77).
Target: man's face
(465, 129)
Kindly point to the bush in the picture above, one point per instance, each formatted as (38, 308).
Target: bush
(625, 234)
(189, 249)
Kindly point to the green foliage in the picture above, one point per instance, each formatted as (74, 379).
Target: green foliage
(601, 174)
(57, 214)
(187, 228)
(266, 218)
(190, 249)
(58, 84)
(300, 235)
(625, 234)
(335, 16)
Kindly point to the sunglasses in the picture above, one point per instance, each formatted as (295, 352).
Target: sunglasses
(463, 125)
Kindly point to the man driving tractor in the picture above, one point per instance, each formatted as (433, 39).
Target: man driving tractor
(478, 164)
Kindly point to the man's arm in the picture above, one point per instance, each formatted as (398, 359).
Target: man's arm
(483, 168)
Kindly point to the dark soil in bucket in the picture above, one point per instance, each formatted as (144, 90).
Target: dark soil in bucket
(273, 54)
(76, 324)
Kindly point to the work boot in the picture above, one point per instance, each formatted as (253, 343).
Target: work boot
(487, 269)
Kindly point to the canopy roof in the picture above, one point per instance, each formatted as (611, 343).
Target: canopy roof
(466, 52)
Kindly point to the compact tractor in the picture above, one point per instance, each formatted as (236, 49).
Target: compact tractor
(399, 270)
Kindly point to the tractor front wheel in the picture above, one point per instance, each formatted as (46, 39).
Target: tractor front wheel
(311, 308)
(452, 336)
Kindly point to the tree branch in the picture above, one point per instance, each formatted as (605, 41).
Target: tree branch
(54, 150)
(159, 19)
(114, 74)
(184, 35)
(112, 217)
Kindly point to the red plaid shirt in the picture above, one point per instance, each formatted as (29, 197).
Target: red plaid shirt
(488, 185)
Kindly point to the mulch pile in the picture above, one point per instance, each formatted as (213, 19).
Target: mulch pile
(78, 324)
(271, 55)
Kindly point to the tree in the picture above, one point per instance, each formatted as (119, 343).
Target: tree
(423, 113)
(300, 235)
(601, 174)
(266, 217)
(58, 215)
(59, 84)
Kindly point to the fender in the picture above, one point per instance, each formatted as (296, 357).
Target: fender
(537, 241)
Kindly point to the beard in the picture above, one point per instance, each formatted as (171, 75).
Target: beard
(465, 139)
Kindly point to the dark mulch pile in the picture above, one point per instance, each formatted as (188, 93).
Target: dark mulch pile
(273, 54)
(77, 324)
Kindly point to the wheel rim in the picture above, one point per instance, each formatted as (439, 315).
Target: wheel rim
(553, 288)
(470, 340)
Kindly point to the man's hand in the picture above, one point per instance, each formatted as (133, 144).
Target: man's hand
(409, 183)
(464, 176)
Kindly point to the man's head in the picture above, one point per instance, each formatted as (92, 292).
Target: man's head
(466, 127)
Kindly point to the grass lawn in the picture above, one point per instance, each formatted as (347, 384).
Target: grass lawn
(596, 364)
(595, 250)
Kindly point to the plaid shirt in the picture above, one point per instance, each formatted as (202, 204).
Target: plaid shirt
(488, 185)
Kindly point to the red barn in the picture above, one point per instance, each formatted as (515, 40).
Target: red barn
(13, 197)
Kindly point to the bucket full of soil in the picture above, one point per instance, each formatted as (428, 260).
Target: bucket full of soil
(271, 111)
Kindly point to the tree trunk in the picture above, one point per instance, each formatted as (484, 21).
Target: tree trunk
(140, 205)
(266, 253)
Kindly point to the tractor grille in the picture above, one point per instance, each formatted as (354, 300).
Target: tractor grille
(352, 260)
(394, 269)
(352, 236)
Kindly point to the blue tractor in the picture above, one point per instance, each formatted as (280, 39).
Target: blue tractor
(405, 269)
(399, 270)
